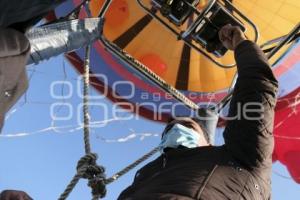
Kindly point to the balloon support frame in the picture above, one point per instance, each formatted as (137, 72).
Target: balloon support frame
(186, 35)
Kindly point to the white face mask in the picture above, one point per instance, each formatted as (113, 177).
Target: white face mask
(179, 135)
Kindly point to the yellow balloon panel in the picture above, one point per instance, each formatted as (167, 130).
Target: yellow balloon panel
(150, 42)
(273, 18)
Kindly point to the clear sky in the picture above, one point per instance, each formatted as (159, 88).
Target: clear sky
(39, 154)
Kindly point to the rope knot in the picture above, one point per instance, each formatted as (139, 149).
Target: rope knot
(87, 168)
(98, 186)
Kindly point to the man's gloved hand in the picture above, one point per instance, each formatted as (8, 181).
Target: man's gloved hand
(14, 195)
(231, 36)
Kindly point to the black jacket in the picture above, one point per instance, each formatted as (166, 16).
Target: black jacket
(240, 169)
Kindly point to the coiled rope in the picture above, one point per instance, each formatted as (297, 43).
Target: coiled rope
(87, 167)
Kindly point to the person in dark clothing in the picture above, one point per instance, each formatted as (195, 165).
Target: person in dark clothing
(191, 168)
(16, 16)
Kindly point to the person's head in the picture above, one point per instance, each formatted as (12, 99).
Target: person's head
(193, 125)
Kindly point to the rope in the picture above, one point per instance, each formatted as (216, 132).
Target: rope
(70, 187)
(131, 166)
(87, 167)
(86, 116)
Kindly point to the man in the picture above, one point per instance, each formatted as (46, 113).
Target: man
(190, 168)
(15, 18)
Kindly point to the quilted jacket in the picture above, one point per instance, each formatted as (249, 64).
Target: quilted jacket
(238, 170)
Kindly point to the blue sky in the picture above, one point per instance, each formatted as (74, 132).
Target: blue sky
(40, 159)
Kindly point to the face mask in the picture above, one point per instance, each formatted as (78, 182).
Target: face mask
(179, 135)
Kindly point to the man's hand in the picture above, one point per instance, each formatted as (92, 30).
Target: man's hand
(14, 195)
(231, 36)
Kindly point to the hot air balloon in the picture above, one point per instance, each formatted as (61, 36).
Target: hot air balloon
(202, 81)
